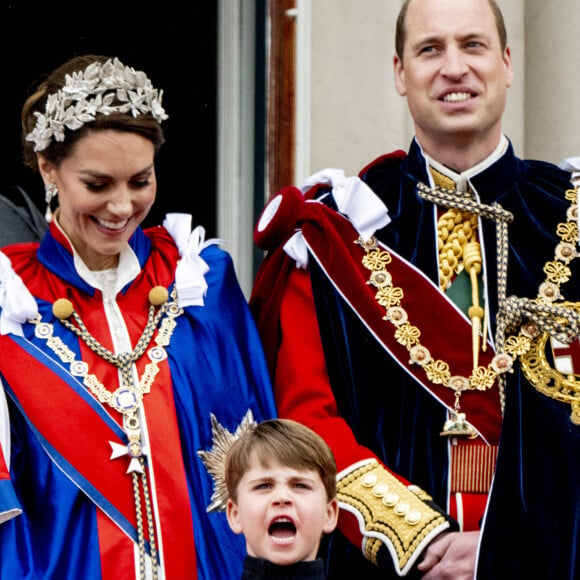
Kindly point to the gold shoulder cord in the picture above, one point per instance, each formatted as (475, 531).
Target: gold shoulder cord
(459, 250)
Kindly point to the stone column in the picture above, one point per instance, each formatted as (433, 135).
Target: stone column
(552, 84)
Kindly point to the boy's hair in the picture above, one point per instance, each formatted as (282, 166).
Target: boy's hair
(280, 441)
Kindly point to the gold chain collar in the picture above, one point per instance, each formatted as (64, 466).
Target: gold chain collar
(535, 366)
(127, 398)
(437, 371)
(526, 344)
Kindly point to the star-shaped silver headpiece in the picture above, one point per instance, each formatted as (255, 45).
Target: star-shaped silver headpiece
(215, 459)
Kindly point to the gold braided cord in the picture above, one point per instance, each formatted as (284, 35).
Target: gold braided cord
(139, 518)
(150, 522)
(451, 198)
(458, 250)
(123, 361)
(455, 229)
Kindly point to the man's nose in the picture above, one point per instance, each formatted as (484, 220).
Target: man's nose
(454, 63)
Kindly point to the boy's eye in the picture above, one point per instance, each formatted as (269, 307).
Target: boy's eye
(302, 485)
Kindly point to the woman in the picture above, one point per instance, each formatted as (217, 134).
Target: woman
(122, 350)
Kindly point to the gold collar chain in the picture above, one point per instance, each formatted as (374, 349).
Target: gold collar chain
(545, 316)
(437, 371)
(563, 387)
(127, 397)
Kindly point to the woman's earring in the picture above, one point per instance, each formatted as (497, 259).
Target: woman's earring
(51, 191)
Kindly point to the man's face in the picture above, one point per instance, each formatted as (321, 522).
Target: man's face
(454, 73)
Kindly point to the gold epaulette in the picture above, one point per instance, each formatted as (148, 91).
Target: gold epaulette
(393, 514)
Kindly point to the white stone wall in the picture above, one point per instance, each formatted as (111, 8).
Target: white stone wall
(356, 114)
(552, 88)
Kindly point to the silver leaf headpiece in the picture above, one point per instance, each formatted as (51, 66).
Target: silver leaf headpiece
(102, 88)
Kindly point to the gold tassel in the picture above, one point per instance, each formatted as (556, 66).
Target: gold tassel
(472, 262)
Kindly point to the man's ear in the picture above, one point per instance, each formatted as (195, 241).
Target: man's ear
(399, 74)
(232, 513)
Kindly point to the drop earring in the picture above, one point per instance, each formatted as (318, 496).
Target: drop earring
(50, 191)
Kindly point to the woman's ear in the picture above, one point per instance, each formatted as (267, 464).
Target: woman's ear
(46, 168)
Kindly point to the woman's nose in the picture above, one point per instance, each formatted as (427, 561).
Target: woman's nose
(121, 202)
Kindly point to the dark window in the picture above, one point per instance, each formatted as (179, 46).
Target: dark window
(174, 43)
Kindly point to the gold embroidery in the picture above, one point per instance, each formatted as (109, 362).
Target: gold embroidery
(389, 508)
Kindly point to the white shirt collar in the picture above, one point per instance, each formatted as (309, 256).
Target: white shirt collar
(127, 269)
(462, 179)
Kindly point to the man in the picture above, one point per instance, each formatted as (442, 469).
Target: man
(20, 219)
(397, 337)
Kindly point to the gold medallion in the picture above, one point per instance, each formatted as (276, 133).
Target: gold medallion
(546, 377)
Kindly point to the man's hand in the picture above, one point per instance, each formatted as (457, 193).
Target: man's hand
(451, 556)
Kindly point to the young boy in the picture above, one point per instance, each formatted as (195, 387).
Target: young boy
(281, 481)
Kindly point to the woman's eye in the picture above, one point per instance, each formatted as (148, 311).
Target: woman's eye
(141, 183)
(93, 186)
